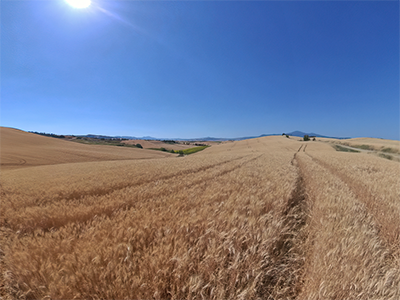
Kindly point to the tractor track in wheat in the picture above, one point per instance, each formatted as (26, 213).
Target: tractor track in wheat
(369, 200)
(51, 222)
(270, 218)
(284, 266)
(74, 195)
(344, 259)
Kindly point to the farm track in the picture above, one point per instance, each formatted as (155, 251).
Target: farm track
(20, 162)
(26, 232)
(284, 268)
(361, 263)
(53, 222)
(97, 192)
(364, 196)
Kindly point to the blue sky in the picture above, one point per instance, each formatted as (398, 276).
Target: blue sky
(201, 68)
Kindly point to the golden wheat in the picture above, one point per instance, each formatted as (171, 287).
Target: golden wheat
(268, 218)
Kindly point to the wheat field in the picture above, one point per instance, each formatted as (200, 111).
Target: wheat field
(21, 149)
(266, 218)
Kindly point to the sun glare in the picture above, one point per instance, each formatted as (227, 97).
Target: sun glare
(79, 3)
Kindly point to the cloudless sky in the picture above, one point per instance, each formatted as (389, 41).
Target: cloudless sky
(190, 69)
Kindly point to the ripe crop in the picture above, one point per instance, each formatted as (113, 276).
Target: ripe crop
(267, 218)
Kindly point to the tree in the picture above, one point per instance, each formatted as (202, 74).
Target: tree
(139, 146)
(306, 138)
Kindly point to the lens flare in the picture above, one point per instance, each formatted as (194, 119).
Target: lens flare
(79, 3)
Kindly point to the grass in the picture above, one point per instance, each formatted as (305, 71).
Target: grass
(163, 150)
(344, 149)
(193, 150)
(182, 152)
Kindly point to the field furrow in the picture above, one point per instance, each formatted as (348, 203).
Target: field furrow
(376, 184)
(81, 209)
(217, 249)
(74, 190)
(284, 266)
(347, 258)
(268, 218)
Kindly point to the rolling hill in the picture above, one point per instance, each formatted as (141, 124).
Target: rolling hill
(22, 149)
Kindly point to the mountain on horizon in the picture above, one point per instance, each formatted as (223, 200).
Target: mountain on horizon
(293, 133)
(301, 134)
(312, 134)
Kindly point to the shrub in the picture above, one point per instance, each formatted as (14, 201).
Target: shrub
(306, 138)
(139, 146)
(389, 150)
(387, 156)
(344, 149)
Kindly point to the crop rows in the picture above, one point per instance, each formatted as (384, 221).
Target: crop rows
(175, 231)
(269, 218)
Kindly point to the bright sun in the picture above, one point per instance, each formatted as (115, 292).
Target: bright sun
(79, 3)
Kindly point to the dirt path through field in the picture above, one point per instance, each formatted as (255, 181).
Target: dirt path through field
(376, 204)
(347, 256)
(285, 268)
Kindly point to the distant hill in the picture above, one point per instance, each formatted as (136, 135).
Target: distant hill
(203, 139)
(301, 134)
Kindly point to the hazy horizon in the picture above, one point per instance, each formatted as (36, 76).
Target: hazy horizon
(202, 137)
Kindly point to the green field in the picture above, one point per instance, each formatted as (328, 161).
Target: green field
(182, 152)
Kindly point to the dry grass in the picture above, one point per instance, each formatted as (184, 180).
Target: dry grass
(268, 218)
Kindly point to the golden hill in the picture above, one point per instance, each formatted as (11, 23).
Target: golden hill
(24, 149)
